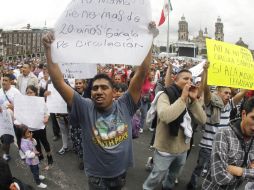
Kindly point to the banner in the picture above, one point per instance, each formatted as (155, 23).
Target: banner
(30, 111)
(103, 31)
(230, 65)
(197, 69)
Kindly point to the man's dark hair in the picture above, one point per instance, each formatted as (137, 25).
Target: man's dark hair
(220, 88)
(8, 76)
(248, 105)
(103, 76)
(184, 71)
(120, 87)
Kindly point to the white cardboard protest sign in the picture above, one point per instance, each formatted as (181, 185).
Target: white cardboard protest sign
(6, 124)
(198, 69)
(55, 102)
(103, 31)
(30, 111)
(78, 70)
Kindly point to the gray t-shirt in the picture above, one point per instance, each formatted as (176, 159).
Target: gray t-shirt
(107, 136)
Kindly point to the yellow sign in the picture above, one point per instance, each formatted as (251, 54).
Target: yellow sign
(230, 65)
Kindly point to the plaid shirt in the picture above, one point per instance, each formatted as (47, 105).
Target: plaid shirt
(228, 150)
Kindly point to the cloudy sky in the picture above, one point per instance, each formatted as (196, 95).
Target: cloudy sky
(235, 14)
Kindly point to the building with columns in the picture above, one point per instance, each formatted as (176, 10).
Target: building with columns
(200, 42)
(21, 43)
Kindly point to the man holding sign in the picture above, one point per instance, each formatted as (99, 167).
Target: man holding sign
(107, 131)
(7, 93)
(218, 106)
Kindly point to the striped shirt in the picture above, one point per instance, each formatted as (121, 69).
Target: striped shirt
(210, 129)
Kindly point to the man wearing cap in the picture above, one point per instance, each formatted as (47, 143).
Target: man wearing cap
(232, 159)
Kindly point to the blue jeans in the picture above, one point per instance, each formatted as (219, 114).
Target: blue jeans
(166, 169)
(35, 171)
(116, 183)
(204, 158)
(143, 109)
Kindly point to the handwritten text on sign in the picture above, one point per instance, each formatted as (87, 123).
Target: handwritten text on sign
(78, 70)
(103, 31)
(230, 65)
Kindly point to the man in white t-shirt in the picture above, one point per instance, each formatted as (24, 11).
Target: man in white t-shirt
(7, 94)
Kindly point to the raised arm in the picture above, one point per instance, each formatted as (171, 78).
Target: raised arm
(168, 76)
(139, 77)
(204, 87)
(55, 73)
(239, 96)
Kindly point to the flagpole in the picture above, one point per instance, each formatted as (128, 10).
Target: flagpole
(168, 35)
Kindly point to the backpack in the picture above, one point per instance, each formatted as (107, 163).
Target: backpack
(135, 122)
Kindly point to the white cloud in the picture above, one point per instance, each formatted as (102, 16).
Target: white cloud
(236, 16)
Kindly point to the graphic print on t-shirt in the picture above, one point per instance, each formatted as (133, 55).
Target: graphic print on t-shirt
(110, 131)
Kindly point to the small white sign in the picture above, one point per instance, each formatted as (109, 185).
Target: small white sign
(55, 102)
(78, 70)
(30, 111)
(103, 31)
(198, 69)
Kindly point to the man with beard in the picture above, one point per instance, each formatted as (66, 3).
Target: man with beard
(233, 153)
(218, 106)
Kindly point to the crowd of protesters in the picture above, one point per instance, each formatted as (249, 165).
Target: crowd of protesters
(114, 107)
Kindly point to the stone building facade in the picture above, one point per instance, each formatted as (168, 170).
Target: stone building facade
(219, 34)
(200, 40)
(22, 43)
(183, 33)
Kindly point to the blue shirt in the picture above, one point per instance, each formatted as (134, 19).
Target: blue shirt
(107, 136)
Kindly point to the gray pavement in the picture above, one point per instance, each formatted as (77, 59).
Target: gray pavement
(65, 174)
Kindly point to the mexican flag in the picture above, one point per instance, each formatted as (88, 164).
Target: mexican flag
(164, 13)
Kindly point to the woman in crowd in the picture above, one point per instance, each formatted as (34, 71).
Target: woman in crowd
(82, 88)
(147, 96)
(40, 135)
